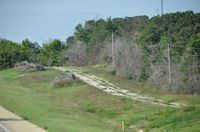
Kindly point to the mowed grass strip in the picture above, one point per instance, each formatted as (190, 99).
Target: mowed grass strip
(79, 107)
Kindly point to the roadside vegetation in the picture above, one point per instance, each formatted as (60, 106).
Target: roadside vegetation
(139, 61)
(79, 107)
(142, 47)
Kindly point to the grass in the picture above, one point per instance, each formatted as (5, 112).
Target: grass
(79, 107)
(145, 89)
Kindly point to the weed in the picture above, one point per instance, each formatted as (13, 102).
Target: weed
(90, 108)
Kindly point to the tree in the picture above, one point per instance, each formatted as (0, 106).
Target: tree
(29, 51)
(70, 40)
(194, 46)
(77, 54)
(128, 59)
(50, 53)
(191, 66)
(9, 53)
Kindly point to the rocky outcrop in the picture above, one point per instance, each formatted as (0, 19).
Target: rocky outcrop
(26, 66)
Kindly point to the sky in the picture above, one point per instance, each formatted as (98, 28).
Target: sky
(41, 20)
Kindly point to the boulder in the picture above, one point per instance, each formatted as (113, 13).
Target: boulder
(26, 66)
(63, 79)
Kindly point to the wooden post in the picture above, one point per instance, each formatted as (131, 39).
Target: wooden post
(113, 53)
(169, 65)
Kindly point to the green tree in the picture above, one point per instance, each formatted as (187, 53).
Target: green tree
(9, 53)
(51, 53)
(29, 51)
(194, 46)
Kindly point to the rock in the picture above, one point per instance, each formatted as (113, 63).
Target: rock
(131, 126)
(26, 66)
(63, 79)
(140, 130)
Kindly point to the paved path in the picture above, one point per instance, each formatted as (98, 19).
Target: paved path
(114, 90)
(10, 122)
(3, 129)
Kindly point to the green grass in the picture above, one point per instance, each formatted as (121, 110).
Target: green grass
(145, 89)
(79, 107)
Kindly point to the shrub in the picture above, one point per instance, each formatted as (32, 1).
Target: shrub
(113, 72)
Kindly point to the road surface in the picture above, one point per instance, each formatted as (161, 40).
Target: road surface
(9, 122)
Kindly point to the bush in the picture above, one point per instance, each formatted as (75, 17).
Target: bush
(113, 72)
(129, 76)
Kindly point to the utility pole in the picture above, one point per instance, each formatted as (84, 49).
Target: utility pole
(97, 16)
(169, 65)
(161, 7)
(113, 54)
(157, 12)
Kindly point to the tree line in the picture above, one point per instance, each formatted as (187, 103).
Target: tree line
(48, 54)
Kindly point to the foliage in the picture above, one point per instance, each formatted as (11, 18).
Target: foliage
(194, 45)
(29, 51)
(191, 65)
(94, 32)
(9, 53)
(51, 53)
(181, 31)
(174, 28)
(144, 40)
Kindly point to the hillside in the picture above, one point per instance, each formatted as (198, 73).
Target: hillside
(100, 66)
(162, 50)
(141, 48)
(80, 107)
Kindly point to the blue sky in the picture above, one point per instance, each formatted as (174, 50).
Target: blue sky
(40, 20)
